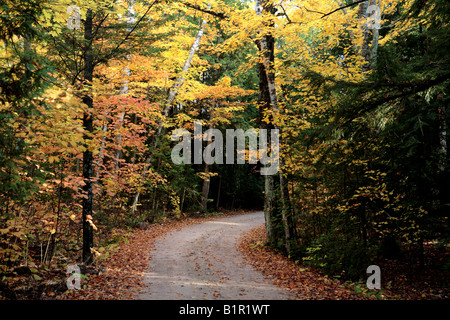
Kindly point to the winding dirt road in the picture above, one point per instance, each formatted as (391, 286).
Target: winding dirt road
(202, 262)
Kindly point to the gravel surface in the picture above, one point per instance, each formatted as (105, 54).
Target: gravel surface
(201, 261)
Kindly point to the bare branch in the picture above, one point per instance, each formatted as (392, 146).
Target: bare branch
(313, 11)
(342, 8)
(285, 14)
(213, 13)
(109, 55)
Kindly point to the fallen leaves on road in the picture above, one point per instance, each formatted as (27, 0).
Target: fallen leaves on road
(304, 283)
(123, 273)
(307, 283)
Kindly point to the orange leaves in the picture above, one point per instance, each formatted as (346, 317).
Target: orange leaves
(89, 220)
(137, 71)
(222, 90)
(123, 125)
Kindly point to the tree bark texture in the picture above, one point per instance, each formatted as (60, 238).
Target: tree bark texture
(88, 234)
(268, 102)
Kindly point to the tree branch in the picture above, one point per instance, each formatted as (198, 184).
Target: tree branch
(213, 13)
(342, 8)
(414, 88)
(309, 10)
(285, 14)
(109, 55)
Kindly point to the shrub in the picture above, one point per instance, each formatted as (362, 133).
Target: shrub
(337, 255)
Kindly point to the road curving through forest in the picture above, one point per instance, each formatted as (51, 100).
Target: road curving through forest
(201, 261)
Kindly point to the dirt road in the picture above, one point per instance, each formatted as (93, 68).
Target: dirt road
(202, 262)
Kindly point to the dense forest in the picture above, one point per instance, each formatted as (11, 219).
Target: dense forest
(91, 92)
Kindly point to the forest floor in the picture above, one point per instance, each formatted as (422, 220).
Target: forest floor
(304, 283)
(399, 281)
(127, 272)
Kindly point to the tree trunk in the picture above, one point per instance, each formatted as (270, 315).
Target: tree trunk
(375, 39)
(88, 235)
(124, 90)
(364, 50)
(443, 177)
(218, 194)
(118, 147)
(369, 49)
(269, 209)
(205, 188)
(265, 46)
(182, 200)
(443, 151)
(102, 146)
(285, 214)
(207, 180)
(268, 98)
(28, 61)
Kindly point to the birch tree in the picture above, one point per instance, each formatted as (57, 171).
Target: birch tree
(131, 19)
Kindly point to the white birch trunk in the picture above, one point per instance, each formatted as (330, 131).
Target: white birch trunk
(102, 146)
(364, 50)
(369, 49)
(131, 19)
(375, 38)
(443, 152)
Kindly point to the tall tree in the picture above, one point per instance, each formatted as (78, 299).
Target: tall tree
(267, 101)
(88, 100)
(269, 104)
